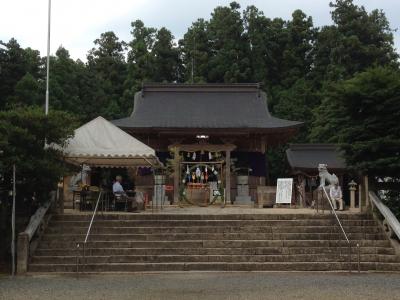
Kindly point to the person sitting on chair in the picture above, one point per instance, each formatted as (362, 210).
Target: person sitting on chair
(118, 191)
(336, 195)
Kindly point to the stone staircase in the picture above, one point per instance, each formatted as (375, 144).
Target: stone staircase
(228, 242)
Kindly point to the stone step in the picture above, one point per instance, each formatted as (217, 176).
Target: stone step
(215, 266)
(214, 243)
(215, 229)
(189, 217)
(212, 236)
(197, 223)
(125, 242)
(213, 251)
(212, 258)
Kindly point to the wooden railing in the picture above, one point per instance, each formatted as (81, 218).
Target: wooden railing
(37, 223)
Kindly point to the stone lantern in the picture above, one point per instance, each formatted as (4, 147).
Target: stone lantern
(352, 188)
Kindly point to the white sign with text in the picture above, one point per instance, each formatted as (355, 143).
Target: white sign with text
(284, 190)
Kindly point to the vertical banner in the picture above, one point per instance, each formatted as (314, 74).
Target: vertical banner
(284, 190)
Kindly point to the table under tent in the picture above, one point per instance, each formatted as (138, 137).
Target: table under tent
(100, 145)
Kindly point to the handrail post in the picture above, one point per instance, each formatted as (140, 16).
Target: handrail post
(87, 236)
(358, 256)
(77, 258)
(350, 267)
(84, 259)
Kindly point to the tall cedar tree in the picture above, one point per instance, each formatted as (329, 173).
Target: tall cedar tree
(140, 59)
(165, 57)
(230, 50)
(362, 115)
(15, 65)
(356, 41)
(106, 62)
(195, 52)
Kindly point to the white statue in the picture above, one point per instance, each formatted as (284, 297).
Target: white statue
(324, 176)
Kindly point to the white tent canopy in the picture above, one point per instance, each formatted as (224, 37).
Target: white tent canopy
(102, 144)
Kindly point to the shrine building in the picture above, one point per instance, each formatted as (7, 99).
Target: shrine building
(211, 136)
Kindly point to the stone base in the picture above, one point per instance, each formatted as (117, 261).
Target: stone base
(243, 200)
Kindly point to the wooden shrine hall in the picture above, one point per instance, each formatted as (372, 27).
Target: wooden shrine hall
(214, 137)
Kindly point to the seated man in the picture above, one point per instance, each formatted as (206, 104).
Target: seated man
(118, 191)
(336, 195)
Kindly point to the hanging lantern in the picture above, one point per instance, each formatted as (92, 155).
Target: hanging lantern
(209, 156)
(188, 155)
(194, 156)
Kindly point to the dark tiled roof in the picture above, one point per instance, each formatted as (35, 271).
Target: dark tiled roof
(202, 106)
(308, 156)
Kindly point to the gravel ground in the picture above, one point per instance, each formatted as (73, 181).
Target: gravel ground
(199, 285)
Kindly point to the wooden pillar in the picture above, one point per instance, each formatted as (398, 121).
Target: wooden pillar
(263, 145)
(302, 190)
(228, 177)
(176, 174)
(366, 191)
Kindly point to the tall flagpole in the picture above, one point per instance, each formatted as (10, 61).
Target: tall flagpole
(48, 60)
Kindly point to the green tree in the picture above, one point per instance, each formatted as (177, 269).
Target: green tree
(22, 137)
(267, 39)
(106, 62)
(166, 57)
(27, 91)
(15, 63)
(297, 57)
(297, 103)
(140, 59)
(64, 83)
(195, 52)
(229, 45)
(356, 41)
(361, 114)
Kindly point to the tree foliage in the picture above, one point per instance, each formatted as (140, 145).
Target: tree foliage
(23, 132)
(361, 114)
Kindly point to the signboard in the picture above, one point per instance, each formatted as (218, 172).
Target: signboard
(284, 190)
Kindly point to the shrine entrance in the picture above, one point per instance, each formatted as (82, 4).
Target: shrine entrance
(202, 173)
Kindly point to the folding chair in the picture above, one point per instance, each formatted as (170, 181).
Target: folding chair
(118, 198)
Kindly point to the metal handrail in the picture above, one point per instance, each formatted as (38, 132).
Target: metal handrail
(87, 235)
(343, 231)
(334, 212)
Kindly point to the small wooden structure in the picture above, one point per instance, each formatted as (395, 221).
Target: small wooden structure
(303, 160)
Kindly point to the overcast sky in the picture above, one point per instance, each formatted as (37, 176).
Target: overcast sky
(77, 23)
